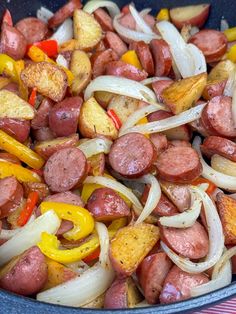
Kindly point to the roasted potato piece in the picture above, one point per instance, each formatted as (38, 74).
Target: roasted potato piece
(182, 95)
(87, 30)
(227, 211)
(4, 81)
(14, 107)
(103, 98)
(97, 303)
(94, 121)
(48, 78)
(123, 106)
(80, 66)
(221, 71)
(130, 245)
(57, 274)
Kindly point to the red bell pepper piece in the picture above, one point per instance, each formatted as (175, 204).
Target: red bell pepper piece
(211, 187)
(92, 256)
(31, 202)
(50, 47)
(33, 97)
(111, 113)
(7, 18)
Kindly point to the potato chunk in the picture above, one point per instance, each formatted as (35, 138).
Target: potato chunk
(49, 79)
(182, 95)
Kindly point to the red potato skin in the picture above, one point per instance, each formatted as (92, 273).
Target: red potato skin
(28, 275)
(162, 57)
(120, 68)
(19, 129)
(41, 118)
(113, 41)
(116, 295)
(33, 29)
(190, 242)
(159, 87)
(99, 60)
(63, 117)
(43, 134)
(103, 19)
(151, 275)
(106, 205)
(12, 87)
(178, 284)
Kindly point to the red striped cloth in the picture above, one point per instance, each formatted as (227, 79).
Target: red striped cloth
(227, 307)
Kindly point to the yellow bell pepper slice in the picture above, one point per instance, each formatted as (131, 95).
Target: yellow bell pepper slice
(131, 57)
(25, 154)
(7, 67)
(37, 55)
(49, 245)
(4, 81)
(163, 15)
(22, 174)
(81, 218)
(231, 55)
(19, 67)
(141, 122)
(230, 33)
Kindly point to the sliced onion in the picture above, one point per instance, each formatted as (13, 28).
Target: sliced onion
(228, 254)
(143, 26)
(95, 146)
(219, 179)
(61, 60)
(44, 14)
(93, 5)
(130, 34)
(154, 196)
(29, 235)
(81, 290)
(216, 239)
(120, 86)
(199, 59)
(185, 32)
(224, 25)
(104, 244)
(151, 80)
(138, 115)
(169, 123)
(187, 218)
(223, 165)
(64, 32)
(117, 186)
(194, 30)
(145, 11)
(78, 267)
(229, 88)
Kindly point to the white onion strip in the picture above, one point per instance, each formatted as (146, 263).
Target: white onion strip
(95, 146)
(229, 86)
(44, 14)
(199, 59)
(29, 235)
(61, 60)
(151, 80)
(153, 199)
(117, 186)
(219, 179)
(64, 32)
(216, 239)
(81, 290)
(104, 244)
(93, 5)
(143, 26)
(129, 34)
(185, 219)
(120, 86)
(226, 257)
(169, 123)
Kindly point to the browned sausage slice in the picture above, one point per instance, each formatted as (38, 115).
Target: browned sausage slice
(217, 117)
(189, 242)
(63, 118)
(211, 42)
(100, 59)
(12, 42)
(178, 284)
(65, 197)
(128, 21)
(179, 143)
(11, 195)
(179, 164)
(120, 68)
(162, 57)
(19, 129)
(41, 118)
(33, 29)
(213, 89)
(132, 155)
(145, 57)
(64, 12)
(65, 169)
(41, 188)
(152, 273)
(160, 142)
(219, 145)
(103, 19)
(105, 205)
(113, 41)
(159, 87)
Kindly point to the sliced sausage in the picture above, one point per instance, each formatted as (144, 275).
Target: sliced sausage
(160, 142)
(120, 68)
(145, 57)
(26, 274)
(43, 134)
(113, 41)
(189, 242)
(179, 143)
(41, 118)
(159, 87)
(214, 89)
(162, 57)
(106, 205)
(211, 42)
(128, 21)
(151, 275)
(19, 129)
(65, 169)
(132, 155)
(164, 206)
(63, 118)
(11, 195)
(217, 117)
(219, 145)
(33, 29)
(199, 127)
(103, 19)
(178, 284)
(41, 188)
(64, 12)
(179, 164)
(99, 60)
